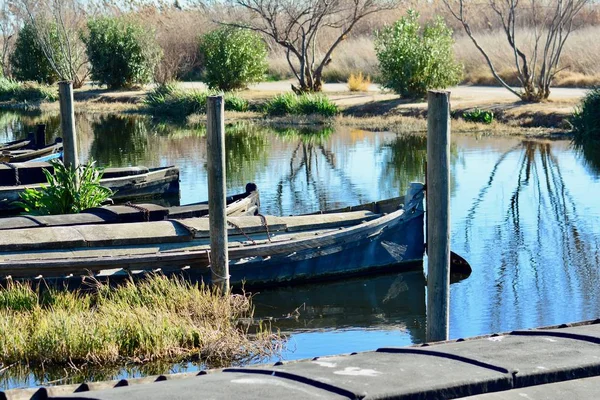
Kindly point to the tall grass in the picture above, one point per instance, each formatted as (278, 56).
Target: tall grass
(158, 318)
(359, 82)
(170, 100)
(305, 104)
(12, 90)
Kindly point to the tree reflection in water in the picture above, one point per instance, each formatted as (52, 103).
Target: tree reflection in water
(535, 244)
(119, 140)
(590, 151)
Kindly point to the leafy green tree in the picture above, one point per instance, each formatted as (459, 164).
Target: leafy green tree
(28, 62)
(233, 58)
(413, 59)
(122, 53)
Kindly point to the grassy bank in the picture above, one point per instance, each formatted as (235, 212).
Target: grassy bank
(157, 318)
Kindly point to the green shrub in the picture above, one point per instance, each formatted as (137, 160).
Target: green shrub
(586, 118)
(122, 53)
(25, 91)
(478, 115)
(413, 59)
(305, 104)
(233, 58)
(172, 101)
(62, 195)
(28, 62)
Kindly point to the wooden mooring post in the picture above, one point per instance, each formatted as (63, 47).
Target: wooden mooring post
(215, 142)
(67, 123)
(438, 215)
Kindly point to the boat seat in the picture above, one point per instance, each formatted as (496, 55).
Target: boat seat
(124, 171)
(131, 213)
(327, 221)
(26, 173)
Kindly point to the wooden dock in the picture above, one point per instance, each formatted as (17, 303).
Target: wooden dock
(552, 362)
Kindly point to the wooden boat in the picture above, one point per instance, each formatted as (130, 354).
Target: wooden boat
(25, 154)
(263, 251)
(15, 144)
(130, 183)
(246, 203)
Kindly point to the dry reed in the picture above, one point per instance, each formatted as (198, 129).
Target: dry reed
(156, 318)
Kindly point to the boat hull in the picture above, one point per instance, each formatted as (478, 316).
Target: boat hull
(397, 246)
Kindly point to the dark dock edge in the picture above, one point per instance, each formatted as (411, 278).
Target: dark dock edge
(538, 359)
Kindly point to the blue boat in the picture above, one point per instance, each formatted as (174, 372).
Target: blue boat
(49, 157)
(383, 236)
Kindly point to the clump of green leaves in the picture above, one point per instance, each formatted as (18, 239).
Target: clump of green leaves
(170, 100)
(233, 58)
(62, 194)
(413, 59)
(28, 62)
(25, 91)
(304, 104)
(586, 118)
(122, 53)
(479, 115)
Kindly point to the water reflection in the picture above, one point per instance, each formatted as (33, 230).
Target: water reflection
(532, 244)
(118, 140)
(524, 213)
(590, 151)
(395, 301)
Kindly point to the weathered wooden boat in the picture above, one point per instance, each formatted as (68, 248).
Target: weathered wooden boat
(263, 251)
(15, 144)
(129, 183)
(241, 204)
(26, 154)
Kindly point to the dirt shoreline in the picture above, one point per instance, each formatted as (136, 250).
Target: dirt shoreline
(372, 110)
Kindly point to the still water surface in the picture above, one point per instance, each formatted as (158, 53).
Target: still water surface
(525, 214)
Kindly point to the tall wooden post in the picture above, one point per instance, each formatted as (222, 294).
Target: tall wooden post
(40, 136)
(67, 123)
(438, 215)
(219, 259)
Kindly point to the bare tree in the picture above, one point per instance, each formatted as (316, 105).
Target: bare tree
(57, 24)
(538, 61)
(8, 28)
(299, 26)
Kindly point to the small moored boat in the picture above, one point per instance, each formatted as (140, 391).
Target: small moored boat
(128, 184)
(246, 203)
(263, 250)
(15, 144)
(27, 154)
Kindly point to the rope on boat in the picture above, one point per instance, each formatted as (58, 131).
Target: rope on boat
(14, 168)
(145, 212)
(263, 221)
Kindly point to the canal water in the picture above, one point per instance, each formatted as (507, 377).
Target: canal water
(525, 214)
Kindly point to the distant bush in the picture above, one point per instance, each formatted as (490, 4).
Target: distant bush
(413, 59)
(305, 104)
(586, 118)
(478, 115)
(28, 62)
(122, 53)
(233, 58)
(358, 82)
(26, 91)
(175, 102)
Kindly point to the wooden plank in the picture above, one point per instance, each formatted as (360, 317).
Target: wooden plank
(324, 221)
(41, 238)
(59, 237)
(246, 224)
